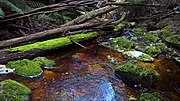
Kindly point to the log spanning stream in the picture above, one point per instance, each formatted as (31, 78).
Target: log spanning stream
(85, 75)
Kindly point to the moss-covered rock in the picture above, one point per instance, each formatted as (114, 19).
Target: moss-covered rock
(25, 68)
(155, 96)
(11, 90)
(136, 74)
(150, 37)
(120, 43)
(165, 32)
(56, 43)
(139, 31)
(139, 56)
(121, 25)
(44, 62)
(174, 39)
(152, 50)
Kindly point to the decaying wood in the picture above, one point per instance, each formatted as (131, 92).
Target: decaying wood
(45, 33)
(90, 15)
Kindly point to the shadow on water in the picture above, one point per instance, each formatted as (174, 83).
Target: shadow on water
(82, 75)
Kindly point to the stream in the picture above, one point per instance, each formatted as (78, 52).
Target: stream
(86, 75)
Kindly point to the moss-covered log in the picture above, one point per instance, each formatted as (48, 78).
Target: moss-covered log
(39, 48)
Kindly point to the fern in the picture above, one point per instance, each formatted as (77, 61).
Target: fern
(21, 4)
(1, 13)
(34, 4)
(11, 5)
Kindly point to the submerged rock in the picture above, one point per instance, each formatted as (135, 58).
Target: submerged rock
(139, 56)
(4, 70)
(155, 96)
(11, 90)
(137, 74)
(44, 62)
(25, 68)
(121, 44)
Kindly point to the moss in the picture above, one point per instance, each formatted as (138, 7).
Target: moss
(121, 25)
(13, 91)
(136, 74)
(152, 50)
(174, 39)
(144, 56)
(160, 45)
(166, 32)
(120, 43)
(25, 67)
(44, 62)
(139, 31)
(155, 96)
(150, 37)
(55, 43)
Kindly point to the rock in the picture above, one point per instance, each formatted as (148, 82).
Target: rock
(25, 68)
(152, 50)
(139, 56)
(4, 70)
(155, 96)
(121, 44)
(150, 38)
(44, 62)
(174, 40)
(134, 73)
(11, 90)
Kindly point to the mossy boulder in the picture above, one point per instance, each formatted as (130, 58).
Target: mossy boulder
(25, 68)
(152, 50)
(174, 40)
(150, 37)
(140, 31)
(136, 74)
(121, 25)
(44, 62)
(11, 90)
(139, 56)
(120, 43)
(166, 32)
(155, 96)
(56, 43)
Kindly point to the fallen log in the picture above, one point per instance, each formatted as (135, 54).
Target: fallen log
(45, 33)
(40, 48)
(90, 15)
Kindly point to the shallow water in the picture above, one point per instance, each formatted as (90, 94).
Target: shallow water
(86, 75)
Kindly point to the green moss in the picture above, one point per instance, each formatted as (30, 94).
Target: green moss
(174, 39)
(139, 31)
(44, 62)
(13, 91)
(121, 25)
(144, 56)
(120, 43)
(152, 50)
(150, 37)
(136, 74)
(55, 43)
(155, 96)
(166, 32)
(25, 67)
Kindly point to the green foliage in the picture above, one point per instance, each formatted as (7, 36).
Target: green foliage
(11, 90)
(121, 25)
(1, 13)
(56, 43)
(139, 31)
(120, 43)
(10, 5)
(25, 67)
(174, 39)
(155, 96)
(34, 4)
